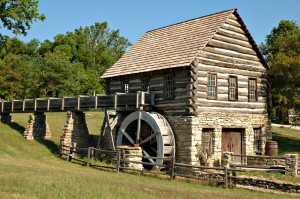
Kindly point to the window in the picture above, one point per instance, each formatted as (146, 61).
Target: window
(125, 86)
(256, 144)
(232, 90)
(207, 141)
(169, 86)
(212, 86)
(145, 86)
(252, 84)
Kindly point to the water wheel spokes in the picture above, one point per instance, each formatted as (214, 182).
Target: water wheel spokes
(151, 132)
(132, 142)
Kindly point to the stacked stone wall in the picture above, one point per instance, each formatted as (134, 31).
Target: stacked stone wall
(37, 127)
(75, 130)
(188, 132)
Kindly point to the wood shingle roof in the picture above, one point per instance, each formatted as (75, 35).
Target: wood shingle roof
(172, 46)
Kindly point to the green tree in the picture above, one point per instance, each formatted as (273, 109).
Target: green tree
(18, 15)
(282, 52)
(9, 78)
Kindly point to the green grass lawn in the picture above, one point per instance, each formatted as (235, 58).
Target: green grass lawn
(288, 140)
(30, 169)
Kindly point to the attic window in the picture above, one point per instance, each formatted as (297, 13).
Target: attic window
(125, 86)
(169, 86)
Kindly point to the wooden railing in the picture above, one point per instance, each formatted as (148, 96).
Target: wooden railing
(118, 101)
(117, 159)
(258, 163)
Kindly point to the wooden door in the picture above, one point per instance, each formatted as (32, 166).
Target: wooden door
(232, 142)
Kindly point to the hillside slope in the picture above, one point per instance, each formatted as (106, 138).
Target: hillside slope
(30, 169)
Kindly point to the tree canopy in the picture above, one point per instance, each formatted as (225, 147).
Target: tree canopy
(68, 66)
(282, 52)
(18, 15)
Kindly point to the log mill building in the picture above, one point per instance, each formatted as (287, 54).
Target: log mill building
(210, 83)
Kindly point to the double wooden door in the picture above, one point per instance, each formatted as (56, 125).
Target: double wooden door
(232, 142)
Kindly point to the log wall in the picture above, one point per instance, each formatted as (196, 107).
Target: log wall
(230, 53)
(175, 106)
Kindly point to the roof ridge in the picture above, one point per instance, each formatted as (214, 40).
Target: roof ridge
(234, 9)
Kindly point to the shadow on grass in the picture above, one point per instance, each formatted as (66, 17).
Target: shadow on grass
(287, 144)
(17, 127)
(52, 146)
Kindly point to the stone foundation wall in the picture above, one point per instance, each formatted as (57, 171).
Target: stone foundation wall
(291, 164)
(37, 127)
(75, 130)
(188, 132)
(265, 161)
(270, 184)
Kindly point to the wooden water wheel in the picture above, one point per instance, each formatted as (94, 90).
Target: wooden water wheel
(151, 132)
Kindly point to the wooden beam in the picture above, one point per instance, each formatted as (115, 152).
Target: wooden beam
(231, 34)
(232, 41)
(234, 47)
(230, 54)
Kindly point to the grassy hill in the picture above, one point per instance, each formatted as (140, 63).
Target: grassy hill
(30, 169)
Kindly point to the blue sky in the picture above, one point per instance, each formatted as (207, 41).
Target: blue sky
(134, 17)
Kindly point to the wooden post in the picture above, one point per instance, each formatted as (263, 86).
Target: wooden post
(88, 157)
(101, 133)
(35, 102)
(172, 176)
(78, 103)
(69, 153)
(48, 104)
(23, 108)
(74, 144)
(116, 101)
(2, 106)
(225, 178)
(234, 175)
(138, 132)
(118, 162)
(123, 157)
(96, 102)
(62, 103)
(92, 155)
(12, 105)
(109, 131)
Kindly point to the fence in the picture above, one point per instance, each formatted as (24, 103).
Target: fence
(119, 161)
(226, 176)
(260, 163)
